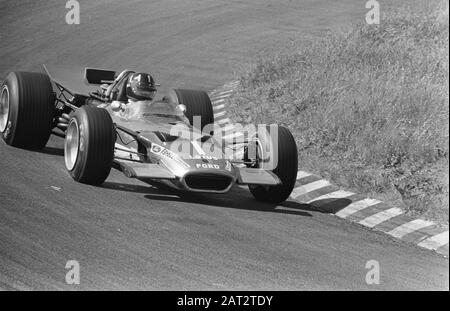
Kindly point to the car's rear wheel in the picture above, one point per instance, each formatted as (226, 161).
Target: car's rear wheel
(27, 109)
(89, 145)
(197, 103)
(276, 151)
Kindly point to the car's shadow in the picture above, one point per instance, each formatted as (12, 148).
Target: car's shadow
(237, 198)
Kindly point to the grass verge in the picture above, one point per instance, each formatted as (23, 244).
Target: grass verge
(368, 106)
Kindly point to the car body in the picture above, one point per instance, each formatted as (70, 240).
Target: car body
(148, 140)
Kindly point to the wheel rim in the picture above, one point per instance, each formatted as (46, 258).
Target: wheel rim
(4, 108)
(260, 156)
(260, 163)
(72, 145)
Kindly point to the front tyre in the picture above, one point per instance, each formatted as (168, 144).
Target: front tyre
(276, 151)
(89, 145)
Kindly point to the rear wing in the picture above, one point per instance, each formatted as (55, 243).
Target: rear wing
(79, 80)
(99, 76)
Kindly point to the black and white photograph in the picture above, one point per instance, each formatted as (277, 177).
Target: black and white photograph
(231, 153)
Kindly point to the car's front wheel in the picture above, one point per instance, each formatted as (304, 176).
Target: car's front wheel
(276, 151)
(89, 145)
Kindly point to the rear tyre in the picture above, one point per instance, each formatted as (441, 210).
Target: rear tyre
(27, 109)
(89, 145)
(278, 154)
(197, 103)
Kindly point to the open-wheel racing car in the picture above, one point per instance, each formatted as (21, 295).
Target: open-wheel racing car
(172, 140)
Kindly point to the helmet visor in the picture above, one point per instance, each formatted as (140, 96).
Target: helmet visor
(147, 93)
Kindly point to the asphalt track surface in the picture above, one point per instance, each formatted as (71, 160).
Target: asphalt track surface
(129, 235)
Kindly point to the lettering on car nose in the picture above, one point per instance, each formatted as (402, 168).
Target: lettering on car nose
(209, 165)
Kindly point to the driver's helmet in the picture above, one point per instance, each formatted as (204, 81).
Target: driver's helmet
(141, 86)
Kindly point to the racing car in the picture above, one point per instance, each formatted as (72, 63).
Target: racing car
(162, 142)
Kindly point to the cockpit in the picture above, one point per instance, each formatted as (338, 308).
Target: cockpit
(156, 112)
(163, 109)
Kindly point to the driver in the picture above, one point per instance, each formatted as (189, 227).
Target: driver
(136, 87)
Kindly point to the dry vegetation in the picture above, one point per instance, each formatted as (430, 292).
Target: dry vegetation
(368, 106)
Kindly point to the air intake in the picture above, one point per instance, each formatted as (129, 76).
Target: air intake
(208, 182)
